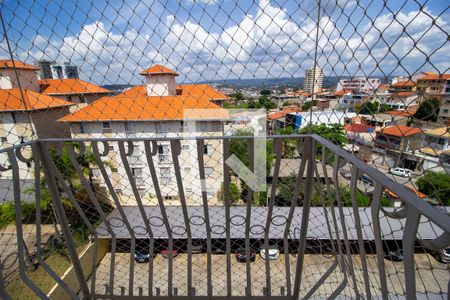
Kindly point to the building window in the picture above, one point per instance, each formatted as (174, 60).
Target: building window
(137, 174)
(163, 153)
(187, 170)
(208, 171)
(82, 129)
(189, 190)
(208, 150)
(106, 125)
(446, 111)
(69, 98)
(4, 139)
(110, 147)
(166, 175)
(185, 147)
(129, 126)
(82, 99)
(142, 192)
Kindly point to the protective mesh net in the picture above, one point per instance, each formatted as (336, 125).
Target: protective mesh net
(154, 148)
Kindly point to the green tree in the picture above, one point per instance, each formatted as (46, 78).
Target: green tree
(307, 105)
(235, 193)
(265, 93)
(428, 110)
(436, 185)
(237, 96)
(289, 149)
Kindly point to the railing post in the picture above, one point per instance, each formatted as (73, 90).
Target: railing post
(310, 155)
(409, 239)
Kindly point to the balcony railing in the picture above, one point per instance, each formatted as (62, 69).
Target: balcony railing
(314, 233)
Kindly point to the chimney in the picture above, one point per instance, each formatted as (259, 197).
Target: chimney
(160, 81)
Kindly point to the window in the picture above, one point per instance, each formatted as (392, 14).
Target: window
(208, 171)
(82, 99)
(106, 125)
(137, 174)
(208, 150)
(118, 191)
(111, 148)
(69, 98)
(163, 153)
(82, 129)
(446, 111)
(189, 190)
(166, 175)
(129, 126)
(4, 139)
(142, 192)
(185, 147)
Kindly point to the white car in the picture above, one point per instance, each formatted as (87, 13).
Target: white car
(400, 172)
(273, 252)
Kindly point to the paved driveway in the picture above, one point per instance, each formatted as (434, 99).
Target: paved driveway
(434, 281)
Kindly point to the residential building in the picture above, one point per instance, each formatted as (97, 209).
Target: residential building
(349, 99)
(358, 84)
(403, 86)
(17, 74)
(313, 80)
(52, 70)
(159, 108)
(399, 137)
(277, 120)
(438, 140)
(73, 90)
(402, 100)
(302, 119)
(434, 85)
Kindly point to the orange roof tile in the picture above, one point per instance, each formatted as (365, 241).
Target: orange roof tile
(404, 83)
(435, 77)
(403, 94)
(8, 64)
(11, 100)
(283, 113)
(142, 108)
(342, 92)
(400, 130)
(399, 113)
(70, 86)
(196, 90)
(158, 70)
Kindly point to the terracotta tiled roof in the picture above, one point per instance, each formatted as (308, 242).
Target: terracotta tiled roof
(404, 83)
(402, 94)
(142, 108)
(8, 64)
(70, 86)
(435, 77)
(159, 70)
(399, 113)
(400, 130)
(283, 113)
(11, 100)
(342, 92)
(203, 91)
(357, 128)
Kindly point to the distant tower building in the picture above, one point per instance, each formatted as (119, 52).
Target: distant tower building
(313, 80)
(70, 71)
(46, 69)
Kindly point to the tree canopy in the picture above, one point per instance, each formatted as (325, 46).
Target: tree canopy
(428, 110)
(436, 185)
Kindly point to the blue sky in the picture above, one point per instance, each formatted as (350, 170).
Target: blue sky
(111, 41)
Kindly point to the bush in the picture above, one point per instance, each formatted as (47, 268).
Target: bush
(235, 193)
(436, 185)
(8, 212)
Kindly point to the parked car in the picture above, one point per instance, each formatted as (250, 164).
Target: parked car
(395, 255)
(273, 252)
(142, 255)
(367, 180)
(241, 255)
(441, 255)
(165, 253)
(400, 172)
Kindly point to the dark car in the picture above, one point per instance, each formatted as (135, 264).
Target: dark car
(165, 253)
(396, 255)
(142, 255)
(241, 255)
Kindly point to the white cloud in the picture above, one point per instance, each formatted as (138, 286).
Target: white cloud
(268, 43)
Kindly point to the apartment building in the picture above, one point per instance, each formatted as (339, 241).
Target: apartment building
(159, 108)
(313, 80)
(358, 84)
(52, 70)
(72, 90)
(433, 85)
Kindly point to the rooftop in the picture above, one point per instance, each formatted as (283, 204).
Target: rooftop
(11, 100)
(443, 132)
(158, 70)
(435, 77)
(8, 64)
(404, 83)
(400, 131)
(282, 113)
(70, 86)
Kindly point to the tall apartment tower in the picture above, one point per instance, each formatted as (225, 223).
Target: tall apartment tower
(313, 80)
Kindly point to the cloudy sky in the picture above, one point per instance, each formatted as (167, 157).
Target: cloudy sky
(112, 41)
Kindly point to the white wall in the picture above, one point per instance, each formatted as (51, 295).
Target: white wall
(161, 85)
(28, 79)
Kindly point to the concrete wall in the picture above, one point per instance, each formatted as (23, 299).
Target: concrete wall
(47, 125)
(162, 85)
(28, 80)
(70, 277)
